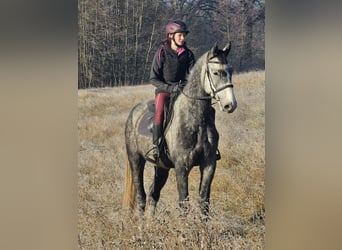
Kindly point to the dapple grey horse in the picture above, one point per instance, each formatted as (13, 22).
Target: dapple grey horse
(191, 137)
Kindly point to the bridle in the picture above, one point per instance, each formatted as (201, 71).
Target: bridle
(213, 88)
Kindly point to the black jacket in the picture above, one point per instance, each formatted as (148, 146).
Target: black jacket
(168, 68)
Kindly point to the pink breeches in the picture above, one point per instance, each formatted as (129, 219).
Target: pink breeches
(160, 100)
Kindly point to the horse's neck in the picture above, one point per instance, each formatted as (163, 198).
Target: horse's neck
(193, 110)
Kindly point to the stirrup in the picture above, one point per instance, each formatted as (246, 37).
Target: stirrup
(155, 156)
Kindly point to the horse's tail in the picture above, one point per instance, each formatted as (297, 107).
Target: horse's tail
(129, 193)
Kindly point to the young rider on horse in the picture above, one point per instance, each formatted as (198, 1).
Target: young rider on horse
(171, 65)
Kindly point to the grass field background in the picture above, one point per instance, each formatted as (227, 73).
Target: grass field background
(237, 194)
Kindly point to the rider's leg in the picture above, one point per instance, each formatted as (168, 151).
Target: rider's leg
(160, 100)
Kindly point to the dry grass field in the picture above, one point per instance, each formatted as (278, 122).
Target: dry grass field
(237, 194)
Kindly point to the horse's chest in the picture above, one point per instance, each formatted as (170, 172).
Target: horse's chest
(190, 140)
(190, 143)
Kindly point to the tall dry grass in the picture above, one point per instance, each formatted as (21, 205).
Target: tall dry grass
(237, 193)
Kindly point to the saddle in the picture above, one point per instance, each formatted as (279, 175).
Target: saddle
(145, 127)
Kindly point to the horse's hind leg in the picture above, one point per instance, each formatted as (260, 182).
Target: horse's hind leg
(160, 178)
(138, 164)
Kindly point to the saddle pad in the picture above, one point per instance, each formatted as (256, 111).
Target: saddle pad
(145, 124)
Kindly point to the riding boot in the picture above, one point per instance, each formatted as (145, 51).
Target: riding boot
(157, 133)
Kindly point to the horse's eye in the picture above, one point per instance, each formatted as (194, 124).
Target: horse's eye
(215, 73)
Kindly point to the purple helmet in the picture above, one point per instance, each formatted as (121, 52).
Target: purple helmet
(176, 26)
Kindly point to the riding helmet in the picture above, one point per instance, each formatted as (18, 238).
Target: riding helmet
(176, 26)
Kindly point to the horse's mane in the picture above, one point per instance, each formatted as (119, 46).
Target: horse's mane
(196, 73)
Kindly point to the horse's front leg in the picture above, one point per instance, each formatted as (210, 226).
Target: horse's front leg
(207, 174)
(182, 174)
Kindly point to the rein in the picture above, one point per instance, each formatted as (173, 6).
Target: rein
(198, 97)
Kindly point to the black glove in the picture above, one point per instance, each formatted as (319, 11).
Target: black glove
(169, 88)
(164, 88)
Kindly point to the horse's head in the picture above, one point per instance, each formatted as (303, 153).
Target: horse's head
(218, 78)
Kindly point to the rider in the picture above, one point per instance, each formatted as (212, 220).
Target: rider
(171, 65)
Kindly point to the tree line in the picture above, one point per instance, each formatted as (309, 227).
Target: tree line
(118, 38)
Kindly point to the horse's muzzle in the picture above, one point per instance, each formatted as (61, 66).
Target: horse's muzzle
(230, 107)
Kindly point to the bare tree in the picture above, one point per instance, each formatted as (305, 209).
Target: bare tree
(117, 38)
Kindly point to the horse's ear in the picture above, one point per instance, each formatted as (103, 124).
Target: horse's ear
(226, 49)
(213, 51)
(215, 45)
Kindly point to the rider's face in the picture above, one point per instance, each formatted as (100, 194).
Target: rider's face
(180, 38)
